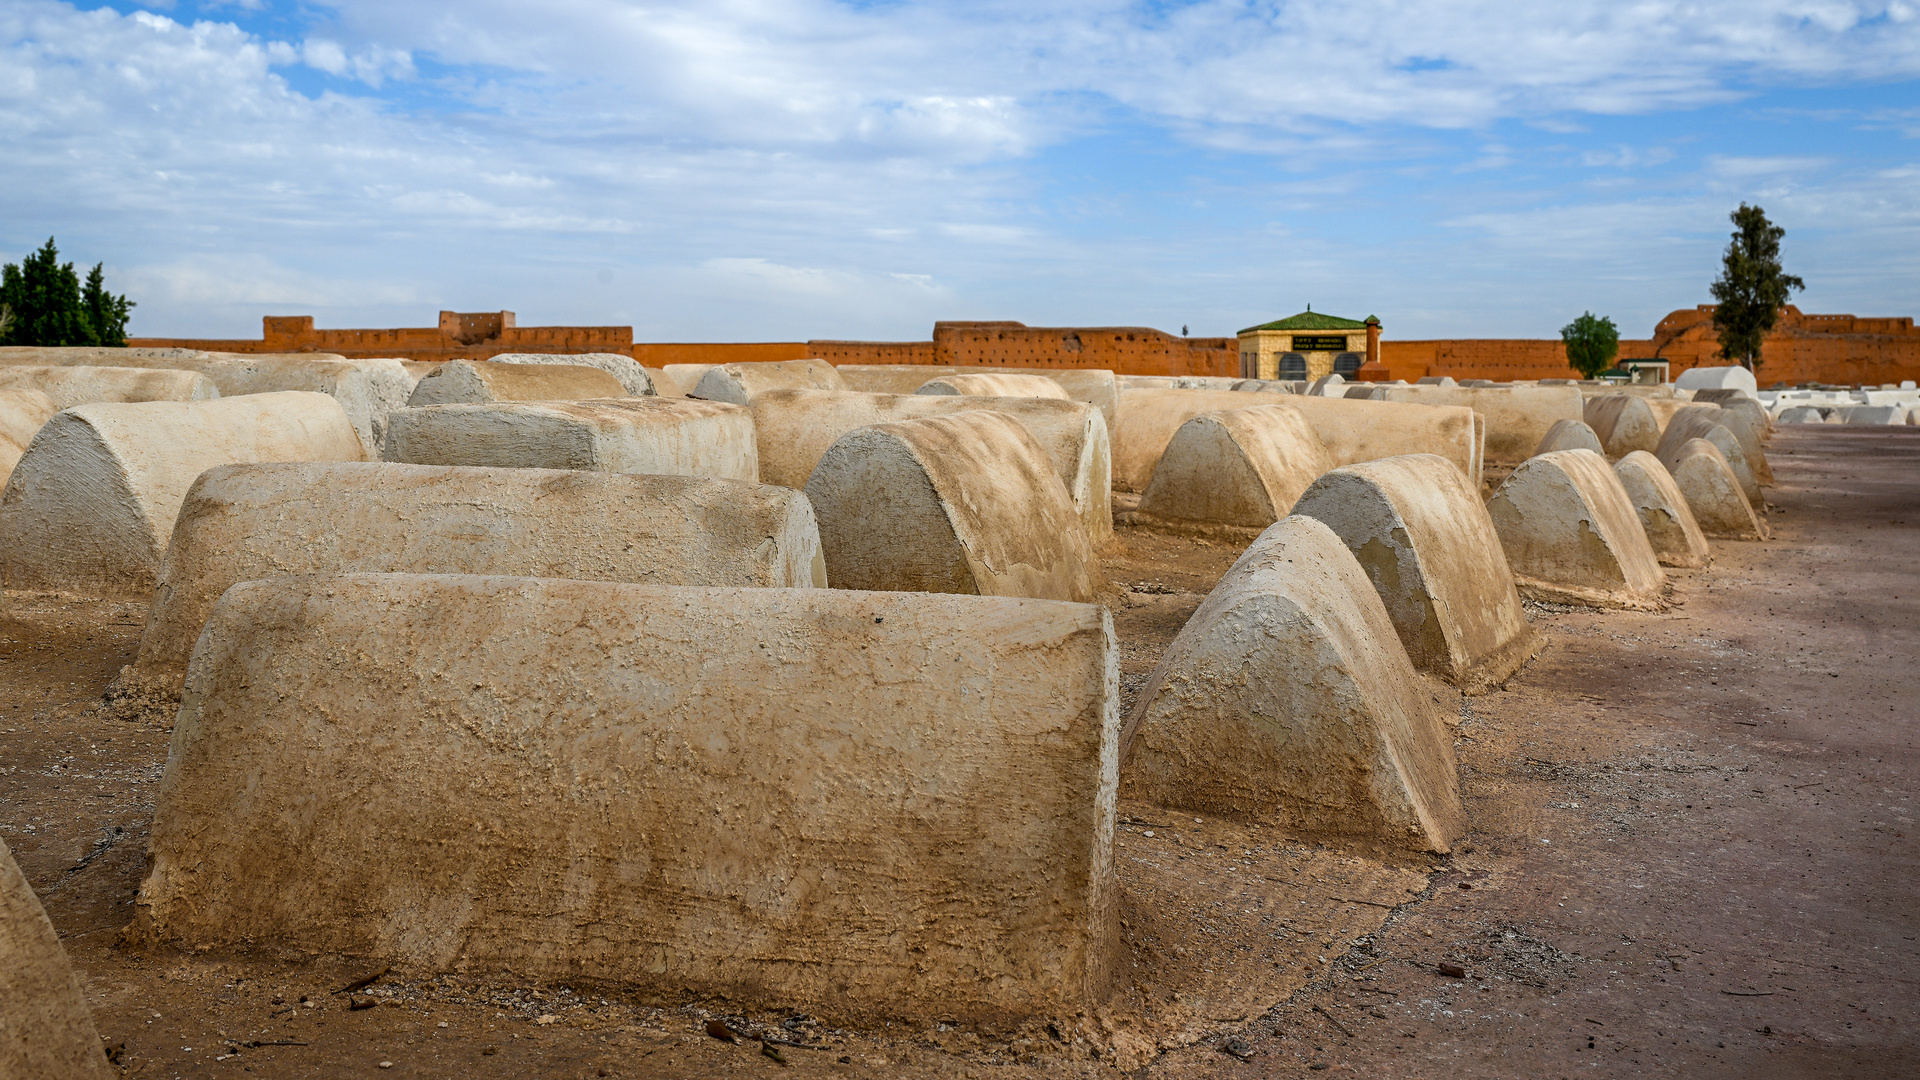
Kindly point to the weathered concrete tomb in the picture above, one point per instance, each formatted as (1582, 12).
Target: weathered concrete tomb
(1571, 534)
(670, 436)
(996, 384)
(1517, 418)
(1351, 430)
(1240, 468)
(1703, 422)
(1095, 386)
(46, 1032)
(1623, 422)
(678, 380)
(862, 804)
(794, 428)
(80, 384)
(737, 383)
(1669, 523)
(965, 503)
(1425, 541)
(1288, 700)
(91, 505)
(243, 522)
(22, 414)
(367, 389)
(1665, 515)
(473, 382)
(1712, 490)
(1569, 435)
(633, 378)
(1749, 423)
(1716, 378)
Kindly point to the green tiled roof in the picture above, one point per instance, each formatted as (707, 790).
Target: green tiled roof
(1309, 320)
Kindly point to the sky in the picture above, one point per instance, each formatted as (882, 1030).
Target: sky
(769, 170)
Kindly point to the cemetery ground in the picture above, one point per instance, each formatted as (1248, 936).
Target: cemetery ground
(1691, 853)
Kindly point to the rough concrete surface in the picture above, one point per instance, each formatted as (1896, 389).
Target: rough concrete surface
(1750, 424)
(1672, 530)
(1572, 535)
(964, 503)
(1703, 422)
(1724, 790)
(1421, 533)
(367, 389)
(737, 383)
(1732, 377)
(668, 436)
(1351, 430)
(1569, 435)
(475, 382)
(245, 522)
(70, 386)
(1239, 468)
(774, 795)
(1095, 386)
(678, 380)
(1623, 422)
(1288, 700)
(91, 504)
(632, 376)
(1664, 408)
(23, 412)
(1517, 417)
(45, 1029)
(794, 428)
(994, 384)
(1712, 491)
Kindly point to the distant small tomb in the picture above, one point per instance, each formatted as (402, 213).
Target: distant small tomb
(1307, 346)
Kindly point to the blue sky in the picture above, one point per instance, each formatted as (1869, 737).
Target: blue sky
(739, 170)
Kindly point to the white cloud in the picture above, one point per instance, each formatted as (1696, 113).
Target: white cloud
(796, 168)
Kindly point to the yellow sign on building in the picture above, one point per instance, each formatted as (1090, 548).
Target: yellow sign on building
(1307, 346)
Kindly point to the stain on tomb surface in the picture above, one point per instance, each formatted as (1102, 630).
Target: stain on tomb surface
(1690, 854)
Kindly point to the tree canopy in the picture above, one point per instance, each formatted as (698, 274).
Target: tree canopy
(1592, 342)
(42, 302)
(1752, 287)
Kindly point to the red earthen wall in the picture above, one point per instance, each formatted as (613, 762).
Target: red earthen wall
(872, 352)
(1499, 359)
(1125, 350)
(476, 336)
(1841, 349)
(656, 354)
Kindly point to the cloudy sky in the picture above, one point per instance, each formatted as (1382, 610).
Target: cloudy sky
(735, 170)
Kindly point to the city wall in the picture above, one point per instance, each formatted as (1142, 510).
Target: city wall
(1801, 348)
(1124, 350)
(1839, 349)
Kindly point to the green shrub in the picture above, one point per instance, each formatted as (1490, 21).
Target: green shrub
(1591, 343)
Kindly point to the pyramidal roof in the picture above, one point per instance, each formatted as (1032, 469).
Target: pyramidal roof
(1312, 320)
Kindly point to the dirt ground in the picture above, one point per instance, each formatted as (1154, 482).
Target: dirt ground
(1688, 857)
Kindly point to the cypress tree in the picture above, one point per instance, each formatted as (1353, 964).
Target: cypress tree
(47, 305)
(44, 297)
(1753, 286)
(106, 314)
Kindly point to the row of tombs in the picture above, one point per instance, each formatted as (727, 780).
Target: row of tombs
(716, 662)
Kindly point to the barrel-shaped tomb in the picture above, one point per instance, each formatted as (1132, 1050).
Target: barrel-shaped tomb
(859, 804)
(668, 436)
